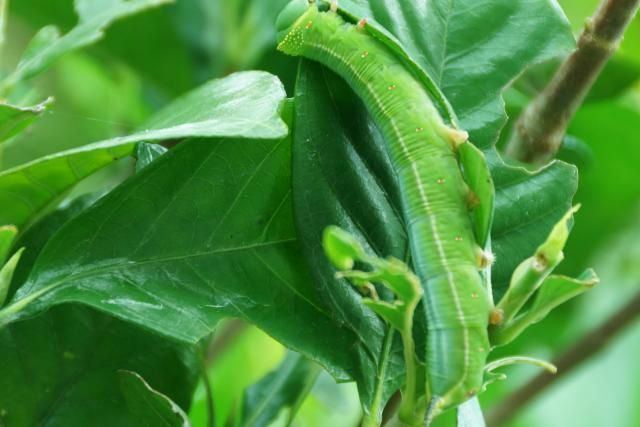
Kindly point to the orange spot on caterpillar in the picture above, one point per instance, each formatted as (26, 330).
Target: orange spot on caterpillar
(458, 238)
(471, 393)
(364, 54)
(362, 23)
(309, 25)
(474, 295)
(473, 201)
(496, 316)
(481, 349)
(392, 87)
(418, 130)
(440, 181)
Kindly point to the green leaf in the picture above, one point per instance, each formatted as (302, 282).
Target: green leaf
(240, 105)
(528, 206)
(204, 232)
(40, 42)
(148, 407)
(6, 275)
(478, 177)
(279, 394)
(7, 235)
(557, 290)
(95, 17)
(147, 153)
(61, 368)
(470, 414)
(473, 48)
(343, 177)
(14, 119)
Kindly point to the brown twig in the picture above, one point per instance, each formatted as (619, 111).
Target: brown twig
(231, 330)
(589, 345)
(539, 132)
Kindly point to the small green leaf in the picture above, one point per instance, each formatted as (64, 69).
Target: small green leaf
(396, 276)
(551, 250)
(41, 41)
(392, 313)
(7, 235)
(279, 394)
(341, 248)
(554, 291)
(6, 274)
(48, 46)
(14, 119)
(149, 407)
(529, 275)
(478, 177)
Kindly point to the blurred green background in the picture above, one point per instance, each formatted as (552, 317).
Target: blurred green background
(145, 61)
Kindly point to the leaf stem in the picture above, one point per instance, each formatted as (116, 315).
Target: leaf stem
(7, 313)
(588, 346)
(541, 128)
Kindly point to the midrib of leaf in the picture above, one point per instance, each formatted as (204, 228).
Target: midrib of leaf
(443, 54)
(376, 406)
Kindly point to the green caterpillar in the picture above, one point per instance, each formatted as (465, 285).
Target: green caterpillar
(435, 197)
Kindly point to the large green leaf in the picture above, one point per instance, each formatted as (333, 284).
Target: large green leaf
(202, 233)
(14, 119)
(241, 105)
(473, 48)
(95, 17)
(61, 368)
(149, 407)
(279, 394)
(342, 177)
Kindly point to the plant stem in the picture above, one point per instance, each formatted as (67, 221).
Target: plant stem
(589, 345)
(539, 132)
(227, 336)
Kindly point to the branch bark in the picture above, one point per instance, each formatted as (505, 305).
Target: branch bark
(589, 345)
(539, 132)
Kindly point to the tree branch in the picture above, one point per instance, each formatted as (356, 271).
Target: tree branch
(589, 345)
(539, 132)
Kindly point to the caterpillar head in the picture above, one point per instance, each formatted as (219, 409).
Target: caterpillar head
(292, 24)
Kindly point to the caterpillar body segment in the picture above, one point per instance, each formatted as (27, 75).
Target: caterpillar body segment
(423, 152)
